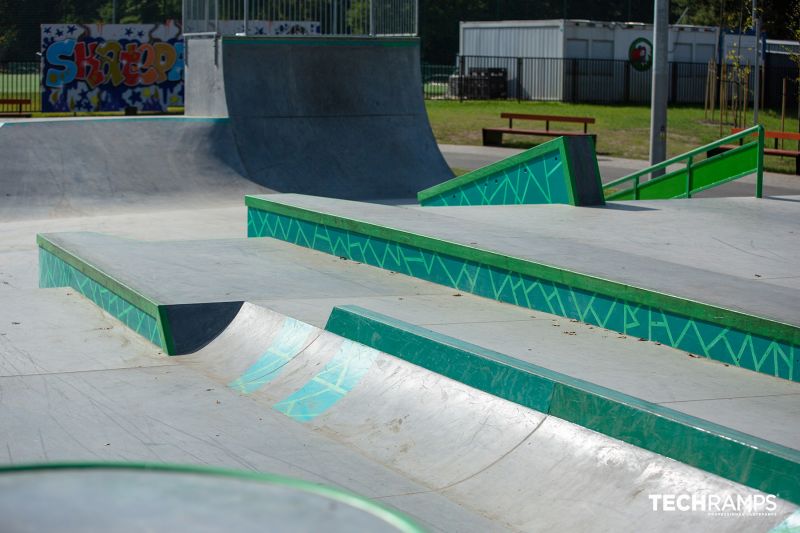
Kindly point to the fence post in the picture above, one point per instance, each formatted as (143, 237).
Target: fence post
(760, 163)
(519, 79)
(462, 72)
(574, 95)
(626, 95)
(673, 85)
(371, 18)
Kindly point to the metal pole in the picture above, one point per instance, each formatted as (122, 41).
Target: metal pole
(757, 87)
(246, 2)
(658, 102)
(371, 18)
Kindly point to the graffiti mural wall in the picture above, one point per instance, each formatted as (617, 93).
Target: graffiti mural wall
(108, 67)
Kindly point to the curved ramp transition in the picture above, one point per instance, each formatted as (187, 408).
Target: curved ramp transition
(521, 468)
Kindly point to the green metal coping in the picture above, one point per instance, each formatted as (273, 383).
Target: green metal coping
(675, 304)
(392, 517)
(120, 289)
(149, 306)
(393, 42)
(736, 456)
(495, 168)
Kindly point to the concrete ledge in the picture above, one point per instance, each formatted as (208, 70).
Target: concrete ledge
(176, 328)
(742, 458)
(704, 329)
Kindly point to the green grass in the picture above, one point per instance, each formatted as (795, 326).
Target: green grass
(622, 131)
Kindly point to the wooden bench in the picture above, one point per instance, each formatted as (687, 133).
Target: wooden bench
(775, 135)
(17, 102)
(494, 136)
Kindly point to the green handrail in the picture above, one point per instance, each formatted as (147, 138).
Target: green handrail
(691, 164)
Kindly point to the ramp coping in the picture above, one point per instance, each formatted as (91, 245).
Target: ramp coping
(391, 516)
(717, 449)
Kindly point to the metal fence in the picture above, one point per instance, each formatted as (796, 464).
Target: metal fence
(510, 78)
(563, 80)
(19, 80)
(578, 80)
(301, 17)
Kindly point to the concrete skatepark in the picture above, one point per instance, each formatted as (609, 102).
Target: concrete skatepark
(426, 359)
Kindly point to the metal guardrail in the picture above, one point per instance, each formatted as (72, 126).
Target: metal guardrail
(698, 174)
(19, 80)
(367, 18)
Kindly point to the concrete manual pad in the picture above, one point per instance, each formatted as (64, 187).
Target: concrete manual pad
(737, 253)
(306, 284)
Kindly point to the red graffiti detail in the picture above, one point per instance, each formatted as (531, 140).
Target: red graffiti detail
(88, 65)
(147, 73)
(130, 64)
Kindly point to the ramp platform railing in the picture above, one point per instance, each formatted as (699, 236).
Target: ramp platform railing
(365, 18)
(703, 168)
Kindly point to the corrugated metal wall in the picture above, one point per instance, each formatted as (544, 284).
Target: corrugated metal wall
(512, 41)
(579, 61)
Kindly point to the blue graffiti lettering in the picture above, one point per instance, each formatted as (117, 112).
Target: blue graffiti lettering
(176, 72)
(64, 70)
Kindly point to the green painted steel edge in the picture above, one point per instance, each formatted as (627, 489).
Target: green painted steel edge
(717, 449)
(393, 42)
(151, 307)
(120, 289)
(716, 160)
(758, 129)
(391, 516)
(682, 306)
(488, 170)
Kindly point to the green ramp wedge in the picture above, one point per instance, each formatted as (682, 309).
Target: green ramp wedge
(561, 171)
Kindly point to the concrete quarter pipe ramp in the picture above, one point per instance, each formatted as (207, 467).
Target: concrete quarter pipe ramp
(334, 117)
(337, 117)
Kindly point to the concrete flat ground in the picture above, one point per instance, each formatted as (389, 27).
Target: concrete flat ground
(75, 384)
(78, 386)
(305, 285)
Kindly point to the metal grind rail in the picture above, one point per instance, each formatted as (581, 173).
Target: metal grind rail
(703, 169)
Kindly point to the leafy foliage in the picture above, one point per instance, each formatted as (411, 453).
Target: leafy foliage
(439, 19)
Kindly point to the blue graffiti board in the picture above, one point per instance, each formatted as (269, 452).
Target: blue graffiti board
(110, 67)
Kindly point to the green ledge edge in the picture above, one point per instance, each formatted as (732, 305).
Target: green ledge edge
(395, 518)
(149, 306)
(739, 457)
(448, 186)
(682, 306)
